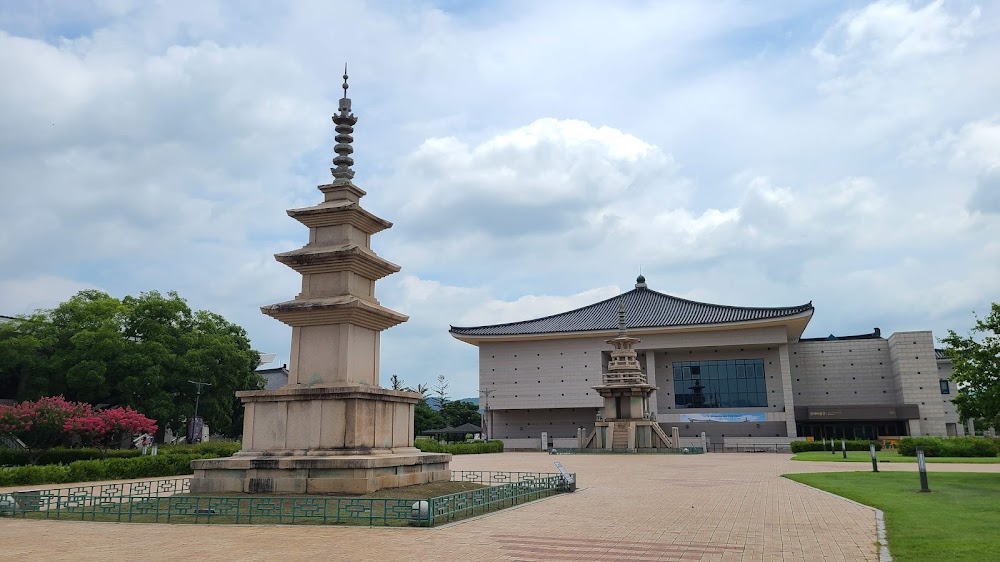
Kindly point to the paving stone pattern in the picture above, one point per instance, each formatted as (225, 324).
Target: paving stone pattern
(722, 507)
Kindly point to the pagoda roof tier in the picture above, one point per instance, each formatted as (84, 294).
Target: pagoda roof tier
(342, 257)
(334, 213)
(334, 310)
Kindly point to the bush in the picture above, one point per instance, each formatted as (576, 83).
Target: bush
(65, 456)
(852, 445)
(476, 447)
(61, 455)
(949, 446)
(214, 448)
(93, 470)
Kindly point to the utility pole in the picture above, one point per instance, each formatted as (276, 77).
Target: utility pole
(194, 425)
(197, 398)
(486, 407)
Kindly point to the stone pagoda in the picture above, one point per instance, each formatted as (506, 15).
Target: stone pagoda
(625, 422)
(332, 428)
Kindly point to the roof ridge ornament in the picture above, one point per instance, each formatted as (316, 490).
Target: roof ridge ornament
(640, 282)
(344, 122)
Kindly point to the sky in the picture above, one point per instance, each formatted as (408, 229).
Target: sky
(534, 157)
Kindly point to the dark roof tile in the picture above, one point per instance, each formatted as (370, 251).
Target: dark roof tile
(644, 308)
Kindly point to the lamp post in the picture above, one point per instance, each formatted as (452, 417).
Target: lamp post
(486, 409)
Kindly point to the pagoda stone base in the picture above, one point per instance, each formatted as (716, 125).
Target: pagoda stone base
(348, 474)
(627, 435)
(318, 440)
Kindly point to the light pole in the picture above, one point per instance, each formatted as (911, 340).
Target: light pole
(486, 408)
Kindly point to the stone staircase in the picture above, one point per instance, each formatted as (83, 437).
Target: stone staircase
(619, 439)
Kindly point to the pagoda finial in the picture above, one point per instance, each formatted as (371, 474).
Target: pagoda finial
(621, 318)
(344, 122)
(345, 80)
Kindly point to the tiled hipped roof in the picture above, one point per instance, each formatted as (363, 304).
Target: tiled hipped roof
(644, 308)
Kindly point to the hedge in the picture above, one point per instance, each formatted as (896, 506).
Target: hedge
(62, 455)
(949, 446)
(476, 447)
(110, 469)
(215, 448)
(852, 445)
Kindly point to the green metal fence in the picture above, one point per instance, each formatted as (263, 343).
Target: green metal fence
(642, 451)
(166, 501)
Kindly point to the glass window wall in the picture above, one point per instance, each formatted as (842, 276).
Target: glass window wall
(734, 383)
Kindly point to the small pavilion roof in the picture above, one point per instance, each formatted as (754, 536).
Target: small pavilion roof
(644, 308)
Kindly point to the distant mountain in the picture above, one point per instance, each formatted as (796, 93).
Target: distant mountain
(432, 402)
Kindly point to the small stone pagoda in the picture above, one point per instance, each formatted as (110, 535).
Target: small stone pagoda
(332, 428)
(625, 423)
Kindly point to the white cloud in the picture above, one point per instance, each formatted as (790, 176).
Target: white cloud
(890, 31)
(529, 168)
(24, 295)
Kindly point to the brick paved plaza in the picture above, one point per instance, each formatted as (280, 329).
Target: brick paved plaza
(628, 508)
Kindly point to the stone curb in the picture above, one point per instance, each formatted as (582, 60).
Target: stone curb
(883, 551)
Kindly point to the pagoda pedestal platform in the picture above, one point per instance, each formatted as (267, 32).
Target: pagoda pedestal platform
(317, 440)
(626, 435)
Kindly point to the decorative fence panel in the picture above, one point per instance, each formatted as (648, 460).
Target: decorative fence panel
(168, 501)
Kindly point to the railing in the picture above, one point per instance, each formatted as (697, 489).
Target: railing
(750, 447)
(641, 451)
(154, 501)
(523, 487)
(630, 378)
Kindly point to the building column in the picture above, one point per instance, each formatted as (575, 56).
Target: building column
(786, 389)
(651, 378)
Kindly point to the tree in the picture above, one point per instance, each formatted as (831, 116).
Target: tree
(459, 412)
(425, 418)
(107, 429)
(441, 392)
(397, 383)
(138, 352)
(39, 424)
(976, 369)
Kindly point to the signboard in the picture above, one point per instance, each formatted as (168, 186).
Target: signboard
(195, 429)
(863, 412)
(568, 478)
(720, 417)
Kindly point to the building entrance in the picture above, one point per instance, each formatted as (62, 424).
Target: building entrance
(871, 429)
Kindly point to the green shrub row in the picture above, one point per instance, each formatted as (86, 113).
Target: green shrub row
(476, 447)
(949, 446)
(215, 448)
(92, 470)
(852, 445)
(62, 455)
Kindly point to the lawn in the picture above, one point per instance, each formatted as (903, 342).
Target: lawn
(957, 521)
(886, 456)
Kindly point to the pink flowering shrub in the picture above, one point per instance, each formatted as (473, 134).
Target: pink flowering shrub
(40, 424)
(105, 429)
(52, 420)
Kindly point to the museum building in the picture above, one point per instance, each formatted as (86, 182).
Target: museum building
(735, 373)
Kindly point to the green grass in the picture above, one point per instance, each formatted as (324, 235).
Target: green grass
(887, 456)
(957, 521)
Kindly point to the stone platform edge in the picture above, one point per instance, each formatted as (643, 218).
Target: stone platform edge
(345, 392)
(318, 475)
